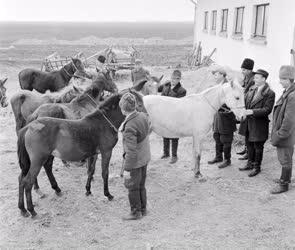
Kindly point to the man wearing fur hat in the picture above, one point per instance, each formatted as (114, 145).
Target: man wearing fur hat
(135, 129)
(283, 128)
(247, 71)
(259, 102)
(172, 88)
(139, 73)
(224, 125)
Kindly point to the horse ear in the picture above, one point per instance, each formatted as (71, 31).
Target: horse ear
(139, 85)
(4, 80)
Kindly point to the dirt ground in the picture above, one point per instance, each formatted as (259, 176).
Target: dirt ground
(227, 211)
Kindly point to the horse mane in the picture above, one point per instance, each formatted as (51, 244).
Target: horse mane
(110, 103)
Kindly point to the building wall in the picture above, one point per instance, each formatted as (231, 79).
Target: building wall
(230, 52)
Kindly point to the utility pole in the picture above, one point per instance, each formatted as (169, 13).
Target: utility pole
(195, 21)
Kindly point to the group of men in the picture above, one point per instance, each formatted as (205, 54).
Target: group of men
(254, 125)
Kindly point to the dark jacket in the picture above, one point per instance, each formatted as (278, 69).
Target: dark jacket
(139, 74)
(248, 82)
(283, 127)
(177, 91)
(136, 143)
(257, 125)
(224, 121)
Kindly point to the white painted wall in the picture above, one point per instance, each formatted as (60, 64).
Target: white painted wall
(230, 52)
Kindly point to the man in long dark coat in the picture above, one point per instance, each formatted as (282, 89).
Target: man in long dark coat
(259, 102)
(283, 128)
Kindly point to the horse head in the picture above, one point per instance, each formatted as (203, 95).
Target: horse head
(104, 79)
(3, 98)
(234, 96)
(76, 66)
(148, 86)
(70, 93)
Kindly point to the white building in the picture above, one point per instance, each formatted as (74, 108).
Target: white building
(263, 30)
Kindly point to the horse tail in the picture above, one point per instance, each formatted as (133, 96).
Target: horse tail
(23, 156)
(26, 78)
(16, 104)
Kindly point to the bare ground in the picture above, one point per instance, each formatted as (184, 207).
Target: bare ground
(227, 211)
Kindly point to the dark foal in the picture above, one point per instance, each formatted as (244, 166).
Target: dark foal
(3, 98)
(41, 81)
(76, 109)
(70, 140)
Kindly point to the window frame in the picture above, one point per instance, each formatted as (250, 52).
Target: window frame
(222, 20)
(206, 20)
(214, 20)
(236, 32)
(264, 27)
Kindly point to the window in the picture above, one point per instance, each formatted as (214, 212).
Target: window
(238, 26)
(261, 16)
(214, 17)
(206, 20)
(224, 18)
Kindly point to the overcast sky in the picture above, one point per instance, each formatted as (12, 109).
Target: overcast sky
(96, 10)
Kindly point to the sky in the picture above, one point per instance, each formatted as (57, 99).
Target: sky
(97, 10)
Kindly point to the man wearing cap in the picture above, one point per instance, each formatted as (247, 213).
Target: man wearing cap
(100, 64)
(247, 71)
(283, 128)
(259, 102)
(139, 73)
(136, 145)
(172, 88)
(224, 125)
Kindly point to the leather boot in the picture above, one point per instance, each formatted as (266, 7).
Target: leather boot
(245, 157)
(244, 151)
(281, 188)
(215, 160)
(173, 159)
(256, 170)
(225, 164)
(133, 216)
(166, 147)
(285, 176)
(248, 166)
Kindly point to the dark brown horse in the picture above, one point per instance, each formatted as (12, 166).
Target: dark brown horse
(76, 109)
(25, 102)
(30, 79)
(70, 140)
(3, 98)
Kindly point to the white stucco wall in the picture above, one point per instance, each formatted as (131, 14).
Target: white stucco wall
(231, 52)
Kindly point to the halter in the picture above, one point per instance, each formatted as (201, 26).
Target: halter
(241, 107)
(109, 122)
(2, 96)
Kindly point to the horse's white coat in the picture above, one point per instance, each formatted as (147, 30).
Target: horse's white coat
(192, 116)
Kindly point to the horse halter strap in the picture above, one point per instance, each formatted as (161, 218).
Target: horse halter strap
(107, 119)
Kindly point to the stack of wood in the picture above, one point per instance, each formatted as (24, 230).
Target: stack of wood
(195, 60)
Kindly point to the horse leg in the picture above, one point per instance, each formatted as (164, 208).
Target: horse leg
(37, 189)
(91, 162)
(29, 180)
(21, 204)
(105, 161)
(197, 156)
(48, 169)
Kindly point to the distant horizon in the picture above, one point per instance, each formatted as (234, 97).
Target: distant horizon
(75, 21)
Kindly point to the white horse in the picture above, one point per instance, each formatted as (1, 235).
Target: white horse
(192, 116)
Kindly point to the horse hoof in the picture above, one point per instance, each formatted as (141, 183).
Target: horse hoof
(198, 175)
(88, 193)
(41, 195)
(24, 213)
(33, 214)
(110, 197)
(202, 179)
(58, 193)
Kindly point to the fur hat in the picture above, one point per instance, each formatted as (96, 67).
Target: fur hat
(128, 102)
(176, 73)
(220, 70)
(248, 64)
(287, 72)
(262, 72)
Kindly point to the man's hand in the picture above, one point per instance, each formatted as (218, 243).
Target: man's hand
(246, 113)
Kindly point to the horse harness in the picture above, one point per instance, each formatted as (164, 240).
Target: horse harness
(104, 116)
